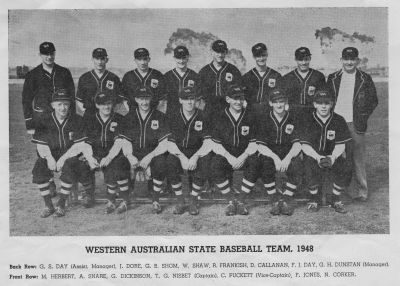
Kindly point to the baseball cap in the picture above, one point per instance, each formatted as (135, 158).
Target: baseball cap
(99, 53)
(61, 94)
(219, 46)
(187, 92)
(301, 53)
(258, 49)
(102, 97)
(143, 91)
(350, 52)
(46, 48)
(277, 93)
(323, 96)
(181, 52)
(141, 52)
(235, 91)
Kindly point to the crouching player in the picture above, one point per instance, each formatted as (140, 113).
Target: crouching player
(323, 143)
(144, 140)
(278, 145)
(60, 139)
(188, 146)
(101, 130)
(234, 141)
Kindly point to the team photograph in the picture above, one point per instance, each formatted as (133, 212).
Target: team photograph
(198, 122)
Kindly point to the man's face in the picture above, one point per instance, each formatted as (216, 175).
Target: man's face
(48, 59)
(218, 57)
(349, 64)
(235, 103)
(278, 105)
(303, 64)
(182, 62)
(105, 108)
(323, 108)
(61, 107)
(188, 104)
(142, 63)
(100, 63)
(261, 60)
(143, 102)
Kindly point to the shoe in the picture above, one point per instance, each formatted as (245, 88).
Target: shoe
(179, 208)
(52, 189)
(230, 209)
(339, 207)
(47, 212)
(110, 207)
(193, 210)
(241, 209)
(286, 208)
(88, 202)
(156, 208)
(361, 199)
(59, 212)
(123, 207)
(313, 207)
(276, 208)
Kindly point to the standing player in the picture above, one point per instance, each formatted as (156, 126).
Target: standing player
(143, 75)
(216, 77)
(234, 137)
(323, 143)
(39, 86)
(101, 130)
(279, 145)
(356, 99)
(261, 80)
(98, 79)
(60, 138)
(178, 78)
(189, 145)
(144, 140)
(302, 83)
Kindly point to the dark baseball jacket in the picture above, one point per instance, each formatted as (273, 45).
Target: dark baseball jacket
(39, 87)
(364, 101)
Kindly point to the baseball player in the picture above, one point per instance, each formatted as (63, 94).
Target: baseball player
(101, 129)
(60, 139)
(261, 80)
(302, 83)
(278, 145)
(144, 140)
(143, 75)
(189, 145)
(323, 143)
(356, 99)
(234, 137)
(39, 86)
(216, 77)
(98, 79)
(178, 78)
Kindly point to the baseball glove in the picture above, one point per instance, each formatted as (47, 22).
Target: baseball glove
(325, 163)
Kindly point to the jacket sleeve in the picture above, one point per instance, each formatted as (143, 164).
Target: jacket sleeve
(71, 89)
(28, 95)
(372, 98)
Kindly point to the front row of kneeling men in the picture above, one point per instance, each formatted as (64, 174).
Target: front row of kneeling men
(147, 141)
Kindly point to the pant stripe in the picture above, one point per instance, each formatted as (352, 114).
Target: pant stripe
(43, 186)
(157, 185)
(336, 190)
(193, 193)
(112, 189)
(288, 193)
(250, 184)
(314, 192)
(270, 188)
(178, 193)
(245, 189)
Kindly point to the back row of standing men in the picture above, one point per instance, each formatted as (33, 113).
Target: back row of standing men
(218, 83)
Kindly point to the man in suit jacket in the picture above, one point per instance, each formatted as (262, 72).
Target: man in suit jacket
(356, 99)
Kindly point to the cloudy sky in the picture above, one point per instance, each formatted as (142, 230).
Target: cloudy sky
(76, 33)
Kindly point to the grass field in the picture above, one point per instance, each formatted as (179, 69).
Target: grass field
(26, 203)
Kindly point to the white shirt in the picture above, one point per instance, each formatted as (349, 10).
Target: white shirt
(344, 104)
